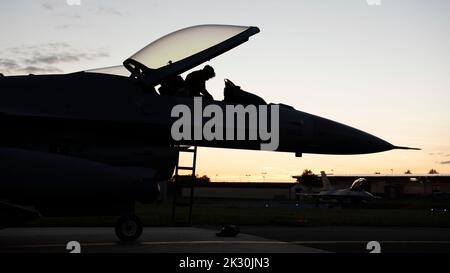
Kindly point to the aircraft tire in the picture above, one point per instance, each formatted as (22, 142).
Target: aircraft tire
(129, 228)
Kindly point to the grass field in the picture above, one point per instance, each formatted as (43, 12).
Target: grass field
(417, 214)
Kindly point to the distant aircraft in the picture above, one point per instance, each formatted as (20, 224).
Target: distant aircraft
(353, 195)
(95, 142)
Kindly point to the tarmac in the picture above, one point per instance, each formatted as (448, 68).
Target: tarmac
(355, 239)
(153, 240)
(252, 239)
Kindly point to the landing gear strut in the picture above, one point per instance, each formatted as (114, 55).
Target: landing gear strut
(129, 228)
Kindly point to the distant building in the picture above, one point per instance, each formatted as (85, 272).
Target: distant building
(387, 186)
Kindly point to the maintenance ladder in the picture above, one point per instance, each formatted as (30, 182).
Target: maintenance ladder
(178, 186)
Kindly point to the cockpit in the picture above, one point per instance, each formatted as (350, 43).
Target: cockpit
(358, 184)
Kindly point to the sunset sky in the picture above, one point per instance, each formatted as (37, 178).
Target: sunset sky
(383, 69)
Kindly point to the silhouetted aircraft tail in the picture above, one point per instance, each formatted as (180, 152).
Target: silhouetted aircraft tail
(326, 183)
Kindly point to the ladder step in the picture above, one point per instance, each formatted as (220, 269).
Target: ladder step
(186, 168)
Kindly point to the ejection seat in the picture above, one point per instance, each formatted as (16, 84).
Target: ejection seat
(234, 94)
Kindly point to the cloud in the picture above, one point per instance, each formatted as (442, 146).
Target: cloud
(8, 64)
(27, 49)
(72, 16)
(445, 162)
(11, 66)
(108, 11)
(67, 26)
(45, 58)
(55, 58)
(39, 70)
(62, 8)
(74, 12)
(48, 5)
(440, 153)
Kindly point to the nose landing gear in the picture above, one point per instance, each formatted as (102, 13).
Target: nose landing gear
(129, 228)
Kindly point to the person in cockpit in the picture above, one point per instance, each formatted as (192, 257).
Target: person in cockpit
(195, 82)
(172, 86)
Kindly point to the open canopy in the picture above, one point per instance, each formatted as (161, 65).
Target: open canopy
(184, 43)
(182, 50)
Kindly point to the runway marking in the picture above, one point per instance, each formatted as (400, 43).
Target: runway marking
(148, 243)
(224, 242)
(213, 242)
(364, 242)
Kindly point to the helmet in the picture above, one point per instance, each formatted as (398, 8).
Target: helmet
(209, 71)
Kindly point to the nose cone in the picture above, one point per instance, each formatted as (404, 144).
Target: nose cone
(331, 137)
